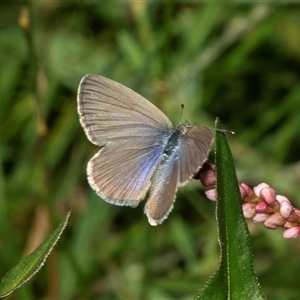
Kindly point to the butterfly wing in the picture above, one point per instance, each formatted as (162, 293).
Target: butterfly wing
(110, 112)
(121, 173)
(133, 132)
(162, 192)
(187, 156)
(193, 151)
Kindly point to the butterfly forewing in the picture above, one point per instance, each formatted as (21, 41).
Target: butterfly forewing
(109, 112)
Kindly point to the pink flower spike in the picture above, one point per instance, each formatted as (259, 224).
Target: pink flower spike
(260, 218)
(249, 210)
(268, 195)
(211, 194)
(259, 187)
(261, 207)
(274, 221)
(292, 233)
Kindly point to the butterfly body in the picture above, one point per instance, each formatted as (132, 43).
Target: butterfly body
(142, 151)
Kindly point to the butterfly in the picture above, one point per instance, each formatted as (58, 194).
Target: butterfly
(142, 152)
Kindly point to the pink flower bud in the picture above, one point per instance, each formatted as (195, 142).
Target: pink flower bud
(292, 233)
(268, 195)
(286, 209)
(288, 225)
(274, 221)
(211, 194)
(207, 175)
(208, 178)
(246, 192)
(249, 210)
(261, 207)
(260, 218)
(259, 187)
(281, 199)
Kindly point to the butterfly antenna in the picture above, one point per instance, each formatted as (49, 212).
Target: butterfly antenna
(223, 130)
(181, 112)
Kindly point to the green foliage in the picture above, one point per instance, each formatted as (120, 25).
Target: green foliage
(31, 264)
(235, 277)
(239, 62)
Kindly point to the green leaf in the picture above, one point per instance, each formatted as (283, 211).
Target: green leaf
(235, 279)
(31, 264)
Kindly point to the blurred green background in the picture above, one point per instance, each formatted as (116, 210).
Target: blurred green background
(240, 62)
